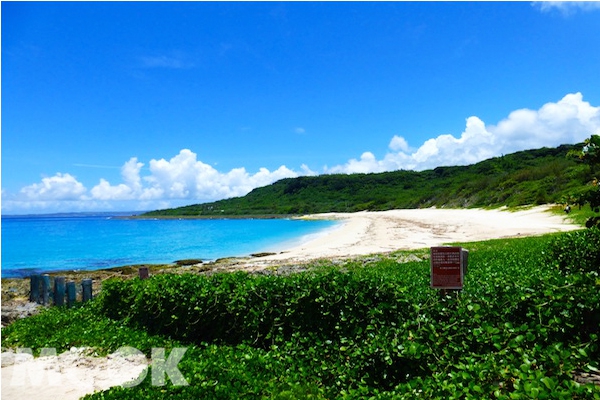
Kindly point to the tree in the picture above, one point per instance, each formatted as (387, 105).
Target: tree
(590, 155)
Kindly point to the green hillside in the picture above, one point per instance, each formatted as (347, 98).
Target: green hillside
(539, 176)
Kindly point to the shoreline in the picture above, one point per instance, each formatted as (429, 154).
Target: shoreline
(369, 232)
(219, 242)
(373, 232)
(358, 234)
(226, 216)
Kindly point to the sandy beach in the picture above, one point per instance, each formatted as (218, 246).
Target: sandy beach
(364, 233)
(358, 234)
(67, 376)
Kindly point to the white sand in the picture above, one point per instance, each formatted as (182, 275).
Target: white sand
(360, 233)
(68, 376)
(366, 233)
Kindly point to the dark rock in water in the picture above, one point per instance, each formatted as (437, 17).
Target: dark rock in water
(191, 261)
(262, 254)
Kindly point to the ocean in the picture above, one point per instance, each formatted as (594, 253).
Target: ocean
(39, 244)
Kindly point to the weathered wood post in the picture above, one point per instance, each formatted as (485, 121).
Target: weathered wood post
(45, 289)
(71, 293)
(144, 272)
(86, 290)
(34, 288)
(59, 291)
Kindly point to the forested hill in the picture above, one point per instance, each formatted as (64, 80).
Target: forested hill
(540, 176)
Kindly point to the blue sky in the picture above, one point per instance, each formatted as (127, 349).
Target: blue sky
(137, 106)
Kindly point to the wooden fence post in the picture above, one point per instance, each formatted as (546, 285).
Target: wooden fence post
(71, 293)
(45, 289)
(59, 291)
(34, 288)
(86, 290)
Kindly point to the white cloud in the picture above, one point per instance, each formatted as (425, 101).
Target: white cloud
(104, 191)
(307, 171)
(124, 191)
(184, 177)
(181, 180)
(57, 187)
(367, 163)
(131, 174)
(398, 143)
(570, 120)
(566, 7)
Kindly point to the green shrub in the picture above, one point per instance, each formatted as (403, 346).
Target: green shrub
(241, 308)
(576, 252)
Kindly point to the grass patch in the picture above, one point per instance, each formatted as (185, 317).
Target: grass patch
(578, 215)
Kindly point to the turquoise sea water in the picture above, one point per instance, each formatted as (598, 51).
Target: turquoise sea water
(34, 244)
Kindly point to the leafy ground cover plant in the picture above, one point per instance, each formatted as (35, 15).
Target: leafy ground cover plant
(519, 329)
(576, 252)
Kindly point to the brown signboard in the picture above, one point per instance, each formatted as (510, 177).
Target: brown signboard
(448, 265)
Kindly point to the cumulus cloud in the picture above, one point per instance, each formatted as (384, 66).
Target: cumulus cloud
(57, 187)
(398, 143)
(367, 163)
(184, 177)
(124, 191)
(570, 120)
(169, 183)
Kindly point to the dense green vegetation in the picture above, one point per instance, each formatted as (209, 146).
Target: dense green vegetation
(526, 320)
(590, 155)
(528, 177)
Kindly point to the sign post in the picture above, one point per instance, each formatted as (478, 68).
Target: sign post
(144, 272)
(448, 267)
